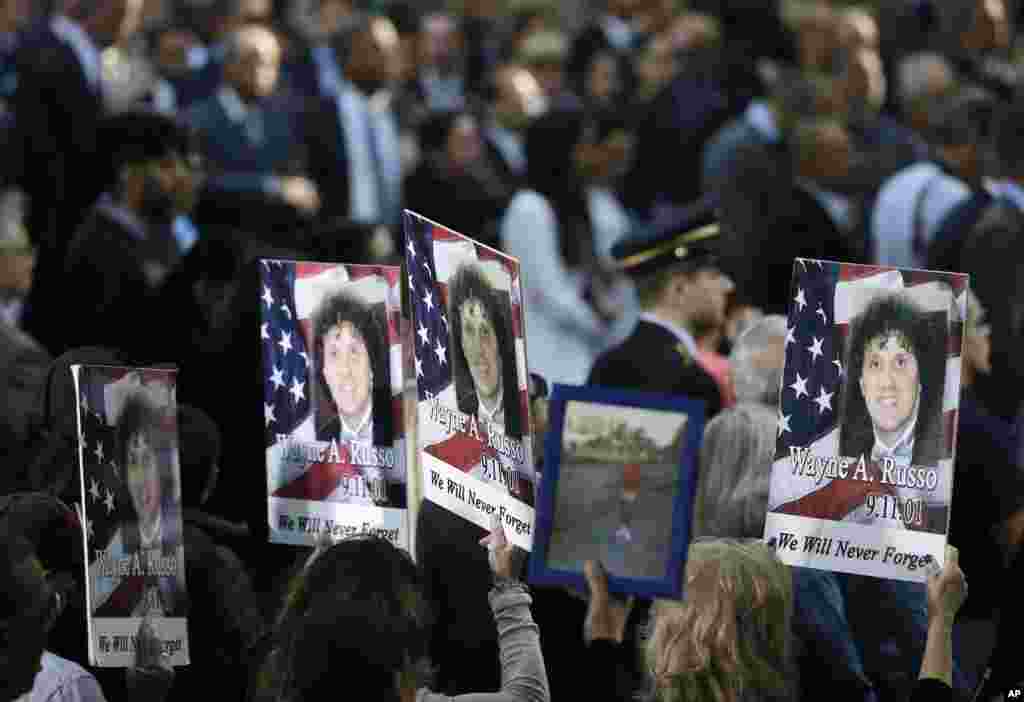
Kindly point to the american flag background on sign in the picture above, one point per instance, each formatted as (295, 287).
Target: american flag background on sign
(433, 253)
(108, 515)
(825, 298)
(291, 293)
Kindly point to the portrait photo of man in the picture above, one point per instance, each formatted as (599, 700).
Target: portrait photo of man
(148, 528)
(483, 351)
(896, 366)
(353, 386)
(891, 426)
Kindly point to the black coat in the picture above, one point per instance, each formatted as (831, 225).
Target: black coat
(652, 359)
(62, 167)
(993, 255)
(111, 278)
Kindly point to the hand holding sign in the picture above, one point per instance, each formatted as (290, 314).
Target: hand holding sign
(947, 587)
(152, 675)
(606, 618)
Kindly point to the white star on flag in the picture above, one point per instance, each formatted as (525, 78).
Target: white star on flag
(99, 451)
(790, 339)
(109, 502)
(824, 400)
(444, 321)
(441, 351)
(424, 334)
(264, 334)
(426, 267)
(815, 348)
(419, 367)
(838, 365)
(412, 249)
(800, 299)
(428, 300)
(277, 378)
(305, 357)
(287, 312)
(412, 283)
(286, 342)
(94, 490)
(800, 386)
(297, 390)
(821, 311)
(802, 262)
(267, 297)
(268, 414)
(783, 425)
(89, 529)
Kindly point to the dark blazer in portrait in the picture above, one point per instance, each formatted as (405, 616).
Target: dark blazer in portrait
(652, 359)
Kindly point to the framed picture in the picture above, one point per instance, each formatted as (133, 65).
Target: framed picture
(618, 484)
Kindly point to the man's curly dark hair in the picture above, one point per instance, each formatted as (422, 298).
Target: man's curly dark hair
(370, 323)
(468, 283)
(927, 335)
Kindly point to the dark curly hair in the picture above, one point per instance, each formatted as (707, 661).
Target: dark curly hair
(469, 283)
(927, 334)
(138, 416)
(370, 323)
(372, 588)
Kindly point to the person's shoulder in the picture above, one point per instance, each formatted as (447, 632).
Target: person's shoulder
(58, 674)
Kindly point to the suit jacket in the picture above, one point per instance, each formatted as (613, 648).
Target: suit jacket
(993, 255)
(58, 113)
(57, 133)
(240, 163)
(323, 136)
(111, 276)
(652, 359)
(671, 132)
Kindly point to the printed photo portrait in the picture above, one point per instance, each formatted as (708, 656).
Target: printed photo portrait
(867, 411)
(132, 493)
(892, 406)
(618, 482)
(329, 354)
(469, 358)
(483, 350)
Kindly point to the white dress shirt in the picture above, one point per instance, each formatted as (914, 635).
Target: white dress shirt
(82, 44)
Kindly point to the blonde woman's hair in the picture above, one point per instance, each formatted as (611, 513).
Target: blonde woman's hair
(729, 640)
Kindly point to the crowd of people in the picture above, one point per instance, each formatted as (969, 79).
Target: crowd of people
(155, 150)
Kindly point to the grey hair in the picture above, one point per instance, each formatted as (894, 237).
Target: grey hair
(735, 473)
(754, 383)
(235, 41)
(912, 78)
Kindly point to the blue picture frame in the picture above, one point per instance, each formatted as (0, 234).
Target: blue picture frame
(670, 586)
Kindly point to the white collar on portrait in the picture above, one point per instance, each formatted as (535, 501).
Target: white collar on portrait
(151, 538)
(905, 443)
(361, 427)
(497, 414)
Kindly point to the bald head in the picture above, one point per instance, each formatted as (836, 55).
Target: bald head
(253, 61)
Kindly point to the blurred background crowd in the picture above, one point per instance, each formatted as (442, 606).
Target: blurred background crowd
(153, 149)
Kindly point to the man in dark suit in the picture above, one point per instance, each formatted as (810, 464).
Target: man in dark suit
(58, 103)
(352, 135)
(993, 255)
(682, 294)
(125, 247)
(248, 141)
